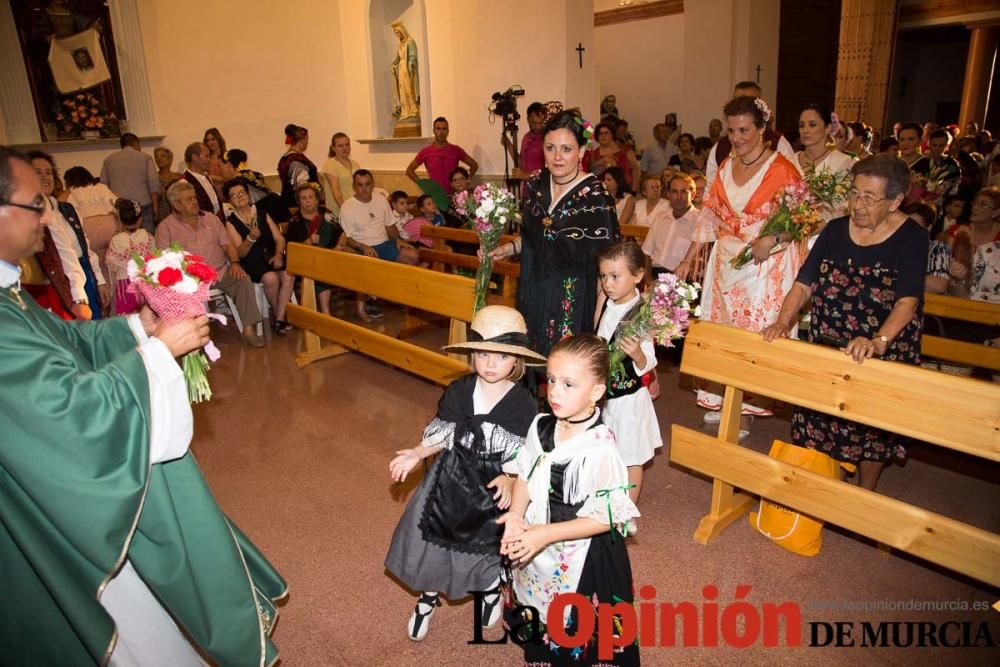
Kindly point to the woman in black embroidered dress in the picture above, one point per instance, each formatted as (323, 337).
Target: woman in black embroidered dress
(865, 280)
(567, 219)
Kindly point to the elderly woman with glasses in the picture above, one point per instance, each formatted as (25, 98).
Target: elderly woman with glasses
(865, 281)
(261, 248)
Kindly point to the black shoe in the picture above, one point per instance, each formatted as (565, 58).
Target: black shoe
(492, 607)
(420, 620)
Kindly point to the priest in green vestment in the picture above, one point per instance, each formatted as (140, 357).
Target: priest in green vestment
(112, 549)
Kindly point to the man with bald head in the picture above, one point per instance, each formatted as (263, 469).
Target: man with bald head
(109, 536)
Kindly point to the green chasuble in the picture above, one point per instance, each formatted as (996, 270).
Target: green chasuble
(78, 496)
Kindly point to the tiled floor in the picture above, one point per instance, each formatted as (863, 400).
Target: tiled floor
(299, 458)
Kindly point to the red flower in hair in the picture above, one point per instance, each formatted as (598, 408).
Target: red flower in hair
(201, 271)
(170, 276)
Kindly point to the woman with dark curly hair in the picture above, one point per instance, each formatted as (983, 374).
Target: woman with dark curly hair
(568, 218)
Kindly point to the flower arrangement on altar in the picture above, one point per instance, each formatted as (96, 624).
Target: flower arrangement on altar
(175, 284)
(665, 313)
(83, 112)
(489, 209)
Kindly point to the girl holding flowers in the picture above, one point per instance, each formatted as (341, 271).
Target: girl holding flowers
(629, 410)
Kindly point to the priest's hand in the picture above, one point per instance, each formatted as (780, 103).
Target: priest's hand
(149, 319)
(184, 336)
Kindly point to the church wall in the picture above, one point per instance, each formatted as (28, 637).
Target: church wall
(247, 69)
(640, 63)
(251, 69)
(476, 48)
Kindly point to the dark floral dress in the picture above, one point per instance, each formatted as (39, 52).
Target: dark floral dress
(557, 290)
(854, 288)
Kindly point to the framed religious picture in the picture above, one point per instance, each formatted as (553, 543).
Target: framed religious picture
(69, 54)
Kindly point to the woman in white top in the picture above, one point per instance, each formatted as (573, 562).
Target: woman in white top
(651, 208)
(339, 171)
(95, 203)
(816, 127)
(614, 183)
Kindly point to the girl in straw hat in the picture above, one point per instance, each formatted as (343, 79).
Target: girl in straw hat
(447, 541)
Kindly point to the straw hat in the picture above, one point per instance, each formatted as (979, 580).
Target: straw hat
(499, 329)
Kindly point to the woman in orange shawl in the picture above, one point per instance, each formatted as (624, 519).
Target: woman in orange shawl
(738, 203)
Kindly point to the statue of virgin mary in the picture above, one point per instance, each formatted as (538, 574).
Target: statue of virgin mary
(406, 84)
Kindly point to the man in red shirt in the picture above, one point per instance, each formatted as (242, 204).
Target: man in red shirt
(440, 158)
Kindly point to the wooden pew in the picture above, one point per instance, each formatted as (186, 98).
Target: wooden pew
(443, 294)
(952, 412)
(637, 232)
(441, 257)
(967, 310)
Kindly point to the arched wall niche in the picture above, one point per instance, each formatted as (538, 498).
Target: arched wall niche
(383, 47)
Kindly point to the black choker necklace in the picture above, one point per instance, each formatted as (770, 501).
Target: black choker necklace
(580, 421)
(763, 149)
(569, 181)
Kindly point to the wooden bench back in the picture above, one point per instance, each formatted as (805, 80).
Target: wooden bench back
(444, 234)
(957, 413)
(966, 310)
(953, 412)
(637, 232)
(442, 294)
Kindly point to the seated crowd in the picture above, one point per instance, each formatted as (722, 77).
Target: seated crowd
(218, 207)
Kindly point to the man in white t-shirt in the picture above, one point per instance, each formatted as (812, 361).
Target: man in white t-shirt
(368, 223)
(370, 229)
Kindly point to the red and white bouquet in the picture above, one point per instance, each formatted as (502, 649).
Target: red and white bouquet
(491, 208)
(665, 314)
(175, 284)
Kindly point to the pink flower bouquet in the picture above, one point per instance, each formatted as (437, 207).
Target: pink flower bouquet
(491, 208)
(665, 313)
(175, 284)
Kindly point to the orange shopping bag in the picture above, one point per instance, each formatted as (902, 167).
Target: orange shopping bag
(785, 527)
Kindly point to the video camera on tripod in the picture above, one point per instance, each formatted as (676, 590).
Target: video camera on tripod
(505, 104)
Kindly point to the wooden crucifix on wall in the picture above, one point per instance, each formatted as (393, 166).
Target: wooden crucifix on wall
(579, 50)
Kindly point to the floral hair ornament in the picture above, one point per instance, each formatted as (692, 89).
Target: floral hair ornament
(588, 131)
(765, 110)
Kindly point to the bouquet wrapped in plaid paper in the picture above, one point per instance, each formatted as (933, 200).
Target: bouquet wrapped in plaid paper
(175, 284)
